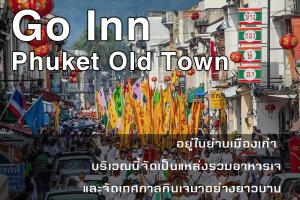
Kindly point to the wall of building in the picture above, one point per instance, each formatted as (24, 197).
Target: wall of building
(278, 56)
(269, 123)
(231, 36)
(158, 34)
(206, 4)
(235, 115)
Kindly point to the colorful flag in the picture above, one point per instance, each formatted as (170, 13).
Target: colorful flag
(113, 116)
(182, 115)
(102, 101)
(174, 78)
(97, 105)
(127, 122)
(148, 94)
(137, 90)
(35, 116)
(17, 103)
(139, 120)
(192, 117)
(158, 111)
(197, 117)
(127, 116)
(156, 97)
(119, 102)
(57, 111)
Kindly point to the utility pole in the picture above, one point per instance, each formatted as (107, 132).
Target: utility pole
(269, 45)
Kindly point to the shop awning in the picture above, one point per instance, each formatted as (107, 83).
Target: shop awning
(194, 93)
(296, 126)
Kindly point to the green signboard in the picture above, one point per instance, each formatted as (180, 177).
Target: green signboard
(251, 54)
(250, 35)
(249, 74)
(250, 16)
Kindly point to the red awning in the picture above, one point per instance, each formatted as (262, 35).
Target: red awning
(26, 131)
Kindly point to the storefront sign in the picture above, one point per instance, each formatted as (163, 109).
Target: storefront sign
(15, 173)
(250, 54)
(249, 74)
(250, 35)
(250, 16)
(216, 100)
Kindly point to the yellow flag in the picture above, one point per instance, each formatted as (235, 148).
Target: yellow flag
(57, 111)
(197, 117)
(174, 78)
(126, 119)
(148, 124)
(97, 105)
(126, 122)
(192, 117)
(157, 119)
(113, 116)
(176, 122)
(167, 110)
(139, 120)
(183, 118)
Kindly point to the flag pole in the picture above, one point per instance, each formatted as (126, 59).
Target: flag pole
(3, 112)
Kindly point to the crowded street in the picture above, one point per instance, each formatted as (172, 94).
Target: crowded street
(149, 100)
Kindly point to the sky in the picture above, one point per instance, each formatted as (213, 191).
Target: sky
(75, 11)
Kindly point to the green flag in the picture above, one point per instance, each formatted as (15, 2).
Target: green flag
(119, 101)
(156, 97)
(105, 120)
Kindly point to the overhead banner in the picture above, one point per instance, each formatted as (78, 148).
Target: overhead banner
(250, 35)
(250, 16)
(251, 54)
(250, 74)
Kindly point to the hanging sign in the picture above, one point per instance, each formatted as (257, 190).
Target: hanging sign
(250, 74)
(249, 35)
(251, 54)
(215, 100)
(250, 16)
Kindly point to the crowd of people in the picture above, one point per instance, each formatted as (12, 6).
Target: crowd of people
(106, 147)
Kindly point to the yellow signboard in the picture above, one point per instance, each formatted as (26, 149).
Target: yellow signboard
(217, 101)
